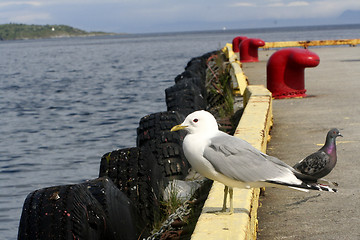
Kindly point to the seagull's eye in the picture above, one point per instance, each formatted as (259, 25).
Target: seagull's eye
(195, 120)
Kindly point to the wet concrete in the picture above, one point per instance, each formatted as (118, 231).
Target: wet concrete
(300, 127)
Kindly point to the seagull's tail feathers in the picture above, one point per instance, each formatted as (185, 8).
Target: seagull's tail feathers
(311, 179)
(306, 186)
(305, 178)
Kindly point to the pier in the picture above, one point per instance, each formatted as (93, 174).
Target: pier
(300, 127)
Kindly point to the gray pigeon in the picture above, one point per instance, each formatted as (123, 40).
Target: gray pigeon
(320, 163)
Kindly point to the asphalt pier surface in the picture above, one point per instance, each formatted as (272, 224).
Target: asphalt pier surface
(300, 127)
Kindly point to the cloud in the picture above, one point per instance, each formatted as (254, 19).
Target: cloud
(278, 4)
(292, 9)
(156, 15)
(23, 12)
(243, 4)
(298, 4)
(29, 17)
(17, 3)
(275, 3)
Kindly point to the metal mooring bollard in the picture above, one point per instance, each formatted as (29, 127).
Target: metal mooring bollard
(236, 45)
(285, 72)
(249, 49)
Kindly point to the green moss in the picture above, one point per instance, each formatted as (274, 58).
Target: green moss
(108, 158)
(168, 207)
(173, 202)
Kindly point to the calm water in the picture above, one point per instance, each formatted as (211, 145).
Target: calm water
(66, 102)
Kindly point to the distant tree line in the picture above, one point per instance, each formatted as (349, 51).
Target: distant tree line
(15, 31)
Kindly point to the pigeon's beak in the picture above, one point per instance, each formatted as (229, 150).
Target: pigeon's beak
(339, 135)
(178, 127)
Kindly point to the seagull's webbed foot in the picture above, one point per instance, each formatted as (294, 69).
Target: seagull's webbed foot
(223, 213)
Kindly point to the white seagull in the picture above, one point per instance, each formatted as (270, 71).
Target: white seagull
(234, 162)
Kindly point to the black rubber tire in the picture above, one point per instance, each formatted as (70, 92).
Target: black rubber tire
(185, 74)
(206, 56)
(185, 98)
(62, 212)
(157, 127)
(189, 79)
(131, 171)
(171, 159)
(197, 69)
(125, 222)
(197, 60)
(154, 136)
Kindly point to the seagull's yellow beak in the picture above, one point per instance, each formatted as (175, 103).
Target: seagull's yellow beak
(177, 128)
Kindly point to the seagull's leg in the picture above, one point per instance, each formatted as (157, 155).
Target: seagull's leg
(223, 210)
(226, 189)
(231, 193)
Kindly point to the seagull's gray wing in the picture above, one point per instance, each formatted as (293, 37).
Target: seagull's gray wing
(239, 160)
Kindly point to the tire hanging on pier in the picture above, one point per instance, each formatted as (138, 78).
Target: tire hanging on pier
(197, 66)
(130, 169)
(124, 219)
(154, 135)
(63, 212)
(188, 77)
(184, 97)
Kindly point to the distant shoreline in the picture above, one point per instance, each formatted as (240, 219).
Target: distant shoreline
(14, 31)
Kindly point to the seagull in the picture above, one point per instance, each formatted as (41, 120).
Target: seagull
(320, 163)
(234, 162)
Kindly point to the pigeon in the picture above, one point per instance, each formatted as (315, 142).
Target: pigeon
(320, 163)
(235, 162)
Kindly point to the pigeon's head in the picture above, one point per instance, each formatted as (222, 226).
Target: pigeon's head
(334, 133)
(198, 122)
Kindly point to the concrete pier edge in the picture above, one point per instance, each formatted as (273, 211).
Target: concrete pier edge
(253, 127)
(306, 44)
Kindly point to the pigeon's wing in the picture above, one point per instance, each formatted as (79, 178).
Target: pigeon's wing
(313, 163)
(237, 159)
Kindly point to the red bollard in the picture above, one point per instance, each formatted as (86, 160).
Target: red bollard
(249, 49)
(236, 42)
(285, 72)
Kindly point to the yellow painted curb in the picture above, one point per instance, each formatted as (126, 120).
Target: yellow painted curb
(237, 75)
(253, 127)
(256, 124)
(229, 52)
(305, 44)
(235, 226)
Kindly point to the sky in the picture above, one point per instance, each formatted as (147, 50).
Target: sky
(150, 16)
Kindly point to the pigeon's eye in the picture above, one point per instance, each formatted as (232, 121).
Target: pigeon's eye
(195, 120)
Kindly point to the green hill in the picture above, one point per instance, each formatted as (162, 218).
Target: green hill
(14, 31)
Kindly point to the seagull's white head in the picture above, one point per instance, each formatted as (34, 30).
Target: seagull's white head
(198, 122)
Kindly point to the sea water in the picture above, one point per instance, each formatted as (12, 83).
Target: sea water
(65, 102)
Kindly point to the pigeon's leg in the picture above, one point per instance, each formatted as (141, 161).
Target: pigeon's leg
(226, 189)
(231, 193)
(323, 181)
